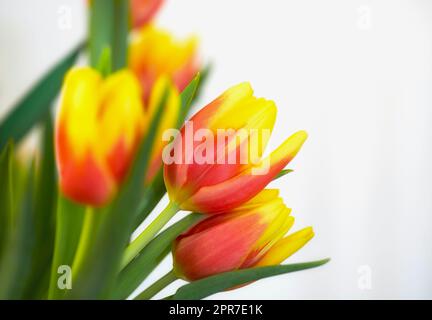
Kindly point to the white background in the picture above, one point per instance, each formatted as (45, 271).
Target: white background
(357, 75)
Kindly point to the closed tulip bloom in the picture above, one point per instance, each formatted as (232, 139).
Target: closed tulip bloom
(252, 235)
(154, 53)
(168, 120)
(98, 128)
(143, 11)
(218, 185)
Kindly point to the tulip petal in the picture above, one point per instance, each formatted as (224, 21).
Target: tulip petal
(285, 247)
(227, 195)
(79, 109)
(154, 52)
(143, 11)
(198, 254)
(168, 121)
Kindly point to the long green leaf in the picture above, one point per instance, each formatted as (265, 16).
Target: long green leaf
(6, 194)
(150, 257)
(282, 173)
(69, 221)
(36, 103)
(44, 211)
(186, 98)
(204, 75)
(15, 262)
(101, 259)
(220, 282)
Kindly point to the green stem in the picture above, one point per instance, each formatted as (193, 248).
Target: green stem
(101, 28)
(68, 228)
(148, 234)
(109, 28)
(88, 230)
(156, 287)
(120, 34)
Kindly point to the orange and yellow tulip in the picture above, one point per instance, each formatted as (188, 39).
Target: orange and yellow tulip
(215, 245)
(168, 120)
(142, 11)
(219, 186)
(154, 53)
(98, 128)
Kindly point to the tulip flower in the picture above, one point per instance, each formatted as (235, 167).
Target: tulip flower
(168, 120)
(154, 53)
(99, 126)
(143, 11)
(217, 186)
(251, 235)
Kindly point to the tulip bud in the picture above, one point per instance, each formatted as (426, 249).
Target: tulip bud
(252, 235)
(142, 11)
(154, 53)
(218, 184)
(168, 120)
(99, 126)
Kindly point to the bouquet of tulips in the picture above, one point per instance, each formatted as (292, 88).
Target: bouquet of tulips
(115, 142)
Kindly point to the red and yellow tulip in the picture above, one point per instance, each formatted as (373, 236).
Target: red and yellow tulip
(143, 11)
(219, 186)
(168, 120)
(215, 245)
(99, 125)
(154, 53)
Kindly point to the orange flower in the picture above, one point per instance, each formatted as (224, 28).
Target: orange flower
(99, 125)
(252, 235)
(219, 185)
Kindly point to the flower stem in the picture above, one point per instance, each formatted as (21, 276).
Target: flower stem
(88, 229)
(148, 234)
(156, 287)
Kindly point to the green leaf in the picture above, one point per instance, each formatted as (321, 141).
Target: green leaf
(44, 217)
(36, 103)
(6, 193)
(204, 75)
(282, 173)
(104, 65)
(186, 98)
(101, 259)
(151, 197)
(68, 230)
(150, 257)
(205, 287)
(15, 262)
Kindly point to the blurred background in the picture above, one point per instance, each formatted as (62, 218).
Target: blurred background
(357, 75)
